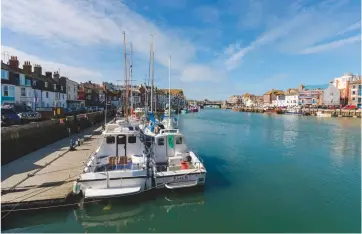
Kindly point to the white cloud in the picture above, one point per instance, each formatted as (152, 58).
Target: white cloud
(208, 14)
(331, 45)
(78, 74)
(90, 22)
(301, 28)
(253, 16)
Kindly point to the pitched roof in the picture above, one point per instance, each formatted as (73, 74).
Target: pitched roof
(315, 87)
(274, 91)
(174, 91)
(291, 92)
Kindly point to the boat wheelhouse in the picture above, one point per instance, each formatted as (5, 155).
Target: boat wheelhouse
(118, 167)
(174, 165)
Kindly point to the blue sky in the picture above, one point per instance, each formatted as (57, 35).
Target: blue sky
(218, 47)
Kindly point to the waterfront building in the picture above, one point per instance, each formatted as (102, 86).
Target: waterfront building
(311, 94)
(331, 95)
(355, 90)
(291, 97)
(22, 85)
(280, 100)
(342, 83)
(235, 100)
(89, 93)
(71, 92)
(271, 96)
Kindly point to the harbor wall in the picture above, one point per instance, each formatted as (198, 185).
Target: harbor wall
(311, 111)
(17, 141)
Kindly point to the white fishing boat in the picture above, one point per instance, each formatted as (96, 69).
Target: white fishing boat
(174, 165)
(323, 114)
(117, 168)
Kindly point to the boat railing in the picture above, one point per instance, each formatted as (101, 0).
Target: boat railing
(162, 131)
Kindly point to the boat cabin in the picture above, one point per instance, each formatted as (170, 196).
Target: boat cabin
(170, 150)
(121, 148)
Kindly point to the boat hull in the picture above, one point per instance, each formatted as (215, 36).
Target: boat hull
(180, 179)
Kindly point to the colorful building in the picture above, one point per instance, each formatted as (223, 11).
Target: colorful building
(311, 94)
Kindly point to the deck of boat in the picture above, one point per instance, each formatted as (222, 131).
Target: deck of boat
(45, 176)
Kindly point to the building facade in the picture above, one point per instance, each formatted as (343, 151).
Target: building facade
(235, 99)
(32, 88)
(355, 91)
(291, 97)
(270, 97)
(280, 100)
(331, 95)
(311, 94)
(342, 83)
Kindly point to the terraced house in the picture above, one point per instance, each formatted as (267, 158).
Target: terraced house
(270, 97)
(32, 88)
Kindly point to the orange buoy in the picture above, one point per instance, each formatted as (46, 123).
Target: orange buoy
(184, 165)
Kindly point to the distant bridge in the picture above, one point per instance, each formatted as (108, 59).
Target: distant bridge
(205, 104)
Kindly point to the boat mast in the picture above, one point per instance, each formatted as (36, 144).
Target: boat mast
(125, 75)
(153, 76)
(151, 71)
(169, 87)
(130, 78)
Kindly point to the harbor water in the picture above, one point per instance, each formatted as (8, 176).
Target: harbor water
(266, 173)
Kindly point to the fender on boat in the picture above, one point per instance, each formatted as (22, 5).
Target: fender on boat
(178, 185)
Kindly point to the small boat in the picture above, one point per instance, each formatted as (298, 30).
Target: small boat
(322, 114)
(184, 111)
(174, 165)
(294, 110)
(235, 109)
(117, 167)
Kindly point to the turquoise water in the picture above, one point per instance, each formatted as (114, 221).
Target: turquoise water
(266, 173)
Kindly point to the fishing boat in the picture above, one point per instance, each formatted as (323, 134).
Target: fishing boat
(174, 165)
(169, 122)
(323, 114)
(118, 167)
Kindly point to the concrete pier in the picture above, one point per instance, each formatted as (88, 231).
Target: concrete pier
(45, 177)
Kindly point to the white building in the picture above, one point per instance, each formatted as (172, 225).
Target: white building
(342, 82)
(280, 100)
(331, 95)
(235, 99)
(72, 93)
(291, 97)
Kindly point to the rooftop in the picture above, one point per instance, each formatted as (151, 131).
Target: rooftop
(315, 87)
(275, 92)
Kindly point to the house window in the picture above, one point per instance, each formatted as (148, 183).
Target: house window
(354, 86)
(6, 91)
(63, 96)
(332, 94)
(22, 92)
(46, 84)
(46, 94)
(55, 86)
(34, 82)
(353, 99)
(61, 88)
(11, 91)
(353, 92)
(359, 100)
(4, 74)
(22, 79)
(27, 82)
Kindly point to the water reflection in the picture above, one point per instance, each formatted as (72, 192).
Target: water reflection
(116, 216)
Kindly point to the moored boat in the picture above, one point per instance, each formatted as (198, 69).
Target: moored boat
(323, 114)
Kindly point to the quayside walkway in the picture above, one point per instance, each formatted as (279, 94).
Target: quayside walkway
(45, 177)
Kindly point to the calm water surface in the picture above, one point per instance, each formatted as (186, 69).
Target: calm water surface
(266, 173)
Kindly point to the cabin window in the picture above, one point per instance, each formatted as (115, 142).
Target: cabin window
(136, 128)
(130, 128)
(110, 140)
(132, 139)
(178, 140)
(121, 140)
(161, 141)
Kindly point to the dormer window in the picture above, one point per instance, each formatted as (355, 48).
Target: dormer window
(46, 84)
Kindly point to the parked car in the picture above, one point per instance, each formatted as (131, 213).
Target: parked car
(9, 117)
(350, 107)
(25, 113)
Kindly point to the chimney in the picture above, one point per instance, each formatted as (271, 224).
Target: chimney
(38, 70)
(27, 67)
(48, 74)
(14, 62)
(56, 76)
